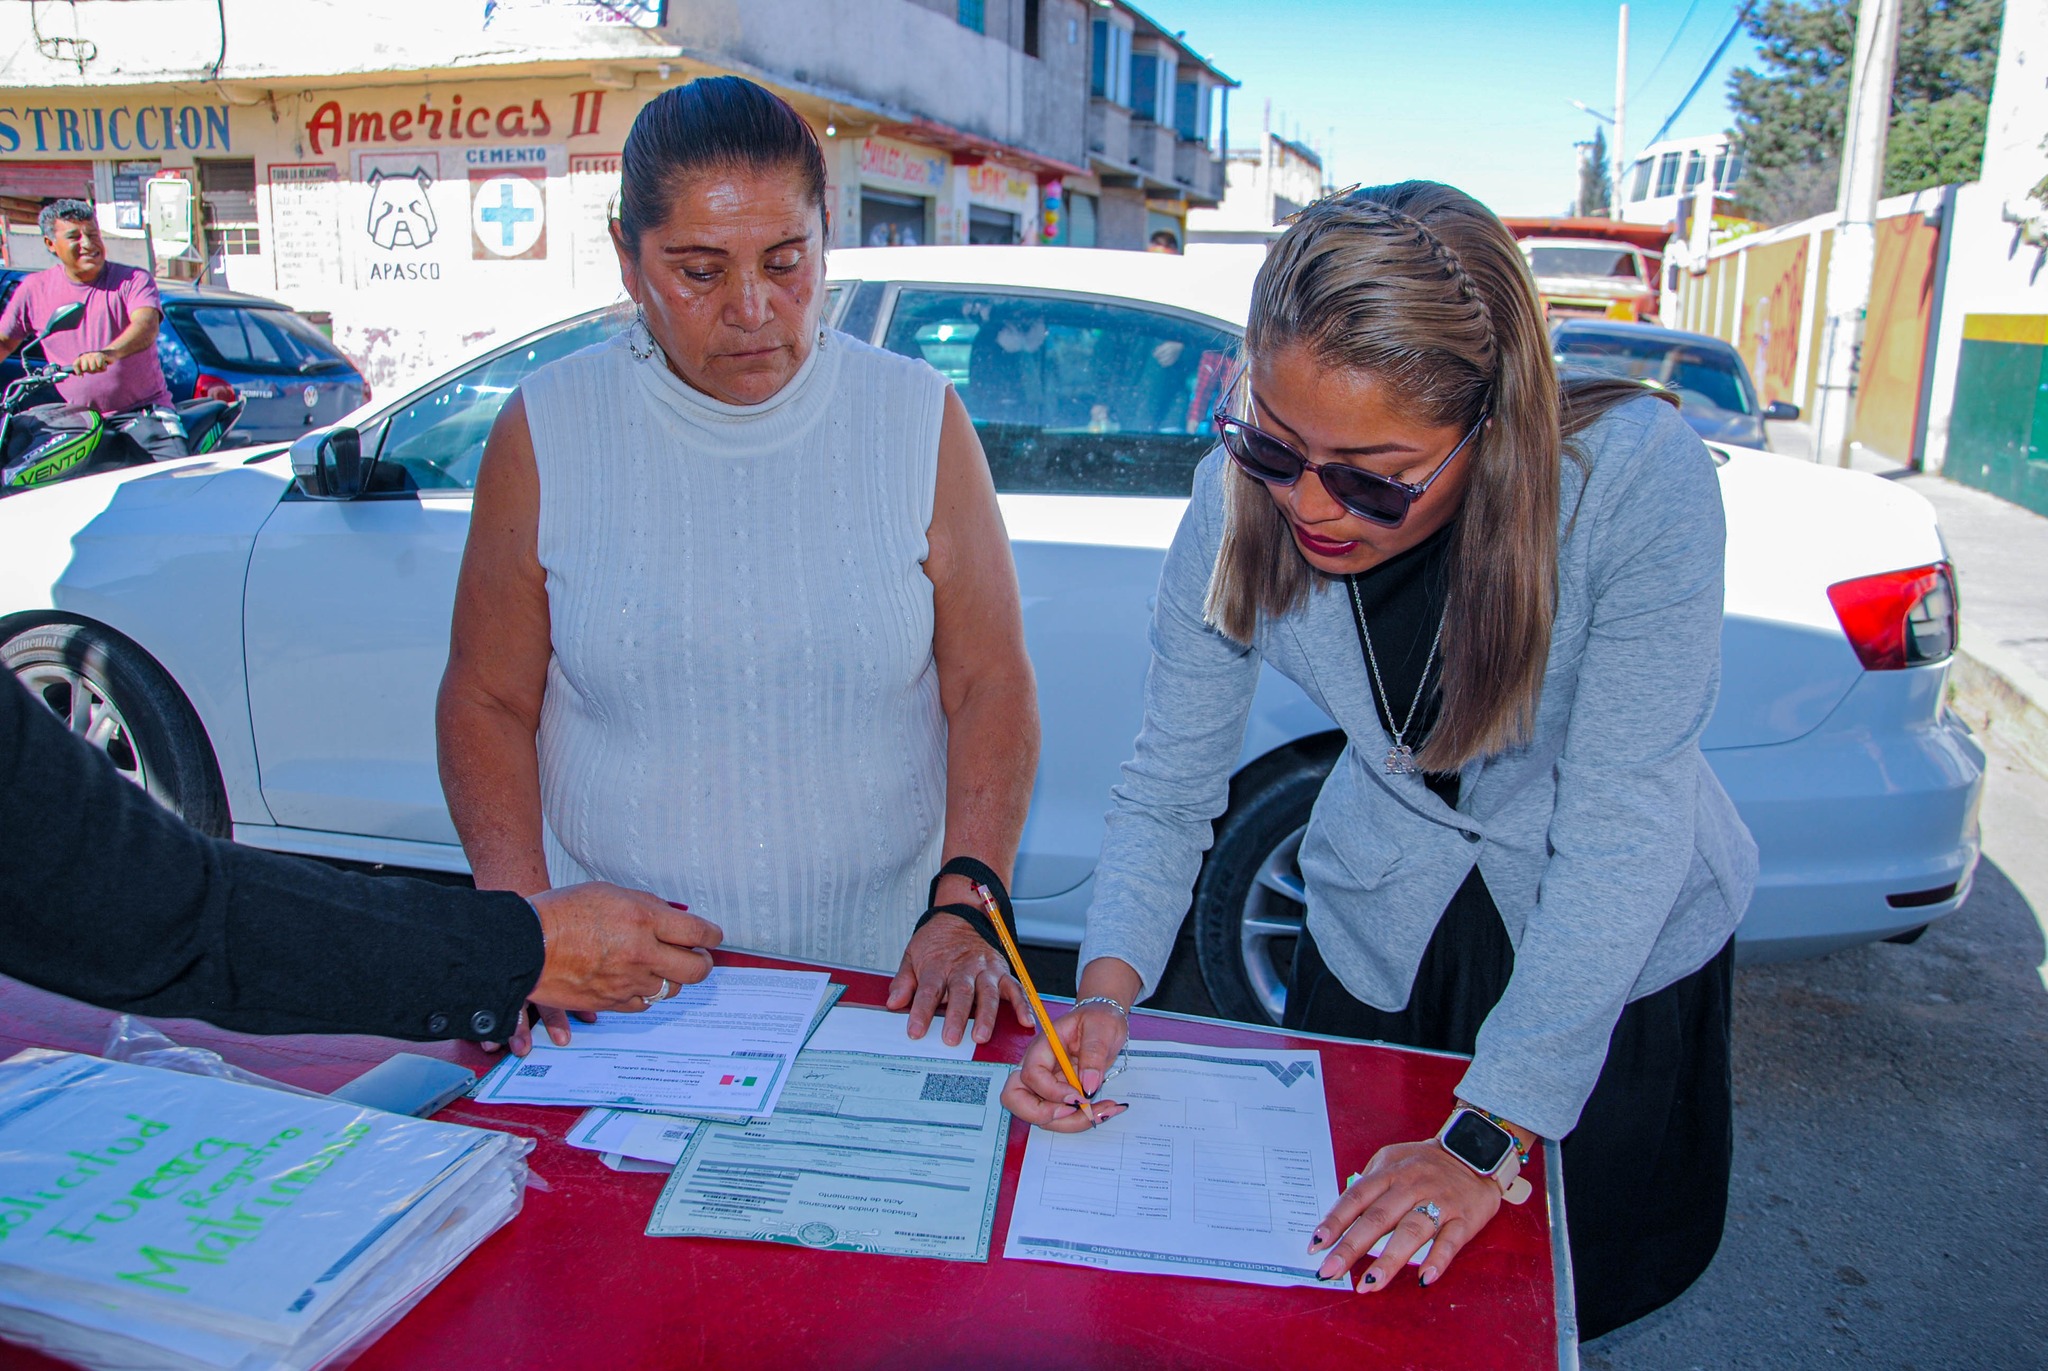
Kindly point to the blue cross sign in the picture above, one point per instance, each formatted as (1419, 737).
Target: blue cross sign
(506, 215)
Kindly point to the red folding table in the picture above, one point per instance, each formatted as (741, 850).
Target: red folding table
(574, 1282)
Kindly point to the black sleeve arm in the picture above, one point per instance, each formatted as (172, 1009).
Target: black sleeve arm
(107, 897)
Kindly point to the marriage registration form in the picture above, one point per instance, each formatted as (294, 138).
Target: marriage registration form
(1221, 1167)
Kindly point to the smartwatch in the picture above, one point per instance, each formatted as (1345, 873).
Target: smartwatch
(1477, 1141)
(1488, 1149)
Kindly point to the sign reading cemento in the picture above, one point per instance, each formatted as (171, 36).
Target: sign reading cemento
(105, 130)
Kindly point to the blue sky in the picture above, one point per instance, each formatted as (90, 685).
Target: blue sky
(1474, 92)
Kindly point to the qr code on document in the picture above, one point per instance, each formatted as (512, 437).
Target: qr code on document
(950, 1088)
(533, 1069)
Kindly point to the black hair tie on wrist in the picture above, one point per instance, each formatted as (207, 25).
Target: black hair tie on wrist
(975, 917)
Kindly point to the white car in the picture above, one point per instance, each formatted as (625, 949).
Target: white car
(265, 660)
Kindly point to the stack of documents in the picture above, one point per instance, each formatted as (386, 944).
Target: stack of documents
(721, 1048)
(154, 1219)
(1221, 1168)
(625, 1136)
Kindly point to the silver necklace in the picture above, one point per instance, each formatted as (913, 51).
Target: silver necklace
(1400, 757)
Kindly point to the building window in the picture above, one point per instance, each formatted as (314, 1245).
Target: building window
(1728, 169)
(973, 15)
(1031, 27)
(1111, 73)
(1146, 69)
(888, 221)
(1642, 186)
(1667, 174)
(227, 206)
(1695, 168)
(1080, 220)
(1191, 111)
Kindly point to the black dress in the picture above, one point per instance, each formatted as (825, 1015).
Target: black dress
(1646, 1170)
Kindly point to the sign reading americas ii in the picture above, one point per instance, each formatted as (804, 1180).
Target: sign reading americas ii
(451, 121)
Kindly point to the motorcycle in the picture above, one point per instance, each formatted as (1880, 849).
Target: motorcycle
(41, 444)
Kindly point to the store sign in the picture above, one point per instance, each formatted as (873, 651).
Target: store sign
(992, 183)
(453, 120)
(886, 162)
(33, 130)
(425, 214)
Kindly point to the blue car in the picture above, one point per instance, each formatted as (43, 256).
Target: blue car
(1716, 395)
(217, 344)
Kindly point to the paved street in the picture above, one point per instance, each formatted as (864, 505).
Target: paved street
(1890, 1202)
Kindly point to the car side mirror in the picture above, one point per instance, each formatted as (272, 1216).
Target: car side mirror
(1781, 409)
(328, 464)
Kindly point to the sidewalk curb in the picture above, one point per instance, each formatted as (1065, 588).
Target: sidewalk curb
(1999, 695)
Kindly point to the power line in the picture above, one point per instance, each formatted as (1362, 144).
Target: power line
(1720, 51)
(1672, 46)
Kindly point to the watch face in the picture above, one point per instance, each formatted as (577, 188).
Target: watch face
(1477, 1142)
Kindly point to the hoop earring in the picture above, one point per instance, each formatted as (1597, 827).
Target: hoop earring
(639, 327)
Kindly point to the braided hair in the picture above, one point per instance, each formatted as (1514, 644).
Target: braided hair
(1420, 286)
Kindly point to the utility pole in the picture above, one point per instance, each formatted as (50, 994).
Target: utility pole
(1855, 250)
(1620, 119)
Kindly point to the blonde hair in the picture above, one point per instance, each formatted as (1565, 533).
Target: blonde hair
(1421, 286)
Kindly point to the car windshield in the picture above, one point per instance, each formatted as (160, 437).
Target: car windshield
(238, 337)
(1704, 376)
(1588, 260)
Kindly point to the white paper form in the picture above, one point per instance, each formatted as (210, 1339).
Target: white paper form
(1221, 1167)
(662, 1137)
(867, 1154)
(723, 1045)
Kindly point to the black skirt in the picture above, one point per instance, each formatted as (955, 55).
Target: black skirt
(1646, 1170)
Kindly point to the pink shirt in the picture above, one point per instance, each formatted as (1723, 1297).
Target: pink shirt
(132, 382)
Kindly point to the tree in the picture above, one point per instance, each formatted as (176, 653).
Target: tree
(1790, 107)
(1595, 189)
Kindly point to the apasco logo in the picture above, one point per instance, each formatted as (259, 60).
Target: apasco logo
(401, 215)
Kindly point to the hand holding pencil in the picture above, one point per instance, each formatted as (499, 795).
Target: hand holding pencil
(1068, 1059)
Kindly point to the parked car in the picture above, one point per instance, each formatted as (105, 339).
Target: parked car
(216, 344)
(1713, 386)
(266, 662)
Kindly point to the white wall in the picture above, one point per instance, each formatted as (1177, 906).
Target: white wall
(1992, 269)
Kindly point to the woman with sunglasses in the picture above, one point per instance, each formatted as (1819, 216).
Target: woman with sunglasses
(1507, 592)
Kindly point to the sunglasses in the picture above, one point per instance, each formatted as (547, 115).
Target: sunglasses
(1377, 499)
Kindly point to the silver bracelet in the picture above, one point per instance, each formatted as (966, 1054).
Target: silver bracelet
(1104, 999)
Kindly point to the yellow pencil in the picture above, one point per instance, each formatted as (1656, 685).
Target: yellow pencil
(1059, 1049)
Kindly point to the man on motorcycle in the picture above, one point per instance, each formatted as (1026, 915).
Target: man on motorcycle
(113, 350)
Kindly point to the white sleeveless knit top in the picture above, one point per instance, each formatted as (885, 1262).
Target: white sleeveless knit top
(742, 709)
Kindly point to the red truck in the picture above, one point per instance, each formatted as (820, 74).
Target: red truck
(1594, 268)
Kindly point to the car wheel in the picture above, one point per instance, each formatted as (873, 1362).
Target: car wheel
(110, 693)
(1249, 902)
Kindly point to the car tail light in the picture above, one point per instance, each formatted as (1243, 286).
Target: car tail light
(211, 387)
(1898, 619)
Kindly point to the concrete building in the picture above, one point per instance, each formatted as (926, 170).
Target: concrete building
(434, 174)
(1264, 185)
(1158, 116)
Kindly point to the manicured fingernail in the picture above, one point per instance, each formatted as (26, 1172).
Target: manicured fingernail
(1369, 1278)
(1072, 1099)
(1317, 1239)
(1091, 1081)
(1428, 1274)
(1064, 1110)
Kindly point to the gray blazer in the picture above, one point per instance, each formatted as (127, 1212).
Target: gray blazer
(1618, 862)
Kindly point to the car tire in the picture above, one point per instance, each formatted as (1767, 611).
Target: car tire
(110, 692)
(1248, 906)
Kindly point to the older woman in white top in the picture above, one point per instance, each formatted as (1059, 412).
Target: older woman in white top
(737, 622)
